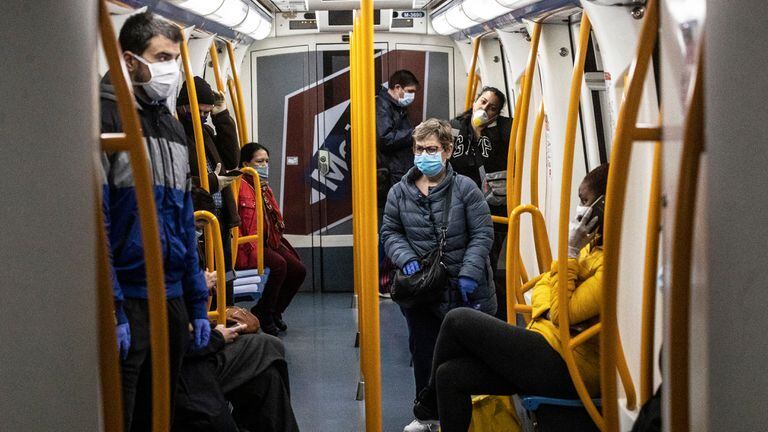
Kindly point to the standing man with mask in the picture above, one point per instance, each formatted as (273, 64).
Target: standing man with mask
(393, 129)
(151, 49)
(393, 148)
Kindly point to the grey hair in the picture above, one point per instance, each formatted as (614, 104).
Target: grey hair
(440, 129)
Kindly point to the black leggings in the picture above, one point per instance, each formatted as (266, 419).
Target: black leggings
(478, 354)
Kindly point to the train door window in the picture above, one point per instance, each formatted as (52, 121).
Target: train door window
(594, 111)
(330, 166)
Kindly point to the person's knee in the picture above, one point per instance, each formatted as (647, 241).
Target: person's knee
(454, 318)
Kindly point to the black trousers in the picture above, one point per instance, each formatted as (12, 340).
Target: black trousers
(137, 367)
(479, 354)
(423, 327)
(499, 235)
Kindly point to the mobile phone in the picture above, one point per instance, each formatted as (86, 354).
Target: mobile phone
(598, 209)
(233, 173)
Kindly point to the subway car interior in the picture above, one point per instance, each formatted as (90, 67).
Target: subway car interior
(131, 281)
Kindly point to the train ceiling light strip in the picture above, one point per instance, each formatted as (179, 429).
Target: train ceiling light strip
(469, 13)
(237, 14)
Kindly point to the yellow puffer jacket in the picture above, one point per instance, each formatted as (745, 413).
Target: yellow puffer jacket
(585, 282)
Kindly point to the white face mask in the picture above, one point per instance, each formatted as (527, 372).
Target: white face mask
(407, 99)
(479, 118)
(164, 77)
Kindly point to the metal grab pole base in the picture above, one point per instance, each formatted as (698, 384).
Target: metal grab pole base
(360, 391)
(357, 340)
(354, 302)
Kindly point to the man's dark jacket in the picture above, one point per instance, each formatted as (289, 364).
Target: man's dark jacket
(221, 146)
(393, 134)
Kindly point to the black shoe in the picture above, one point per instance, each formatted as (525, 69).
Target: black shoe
(279, 323)
(270, 328)
(425, 405)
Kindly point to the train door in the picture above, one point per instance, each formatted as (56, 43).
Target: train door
(279, 80)
(330, 180)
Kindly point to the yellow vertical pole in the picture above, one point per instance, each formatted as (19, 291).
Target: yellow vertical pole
(565, 207)
(213, 230)
(535, 146)
(649, 280)
(370, 261)
(471, 78)
(216, 68)
(236, 110)
(239, 88)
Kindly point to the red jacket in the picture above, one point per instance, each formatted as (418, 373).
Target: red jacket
(246, 253)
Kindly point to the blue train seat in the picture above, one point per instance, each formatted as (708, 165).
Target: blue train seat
(249, 284)
(552, 414)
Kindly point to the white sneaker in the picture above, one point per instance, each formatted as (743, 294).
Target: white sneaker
(422, 426)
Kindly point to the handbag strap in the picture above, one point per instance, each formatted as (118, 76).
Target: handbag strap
(446, 214)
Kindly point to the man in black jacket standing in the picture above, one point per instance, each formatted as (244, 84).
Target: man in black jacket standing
(394, 156)
(222, 154)
(393, 129)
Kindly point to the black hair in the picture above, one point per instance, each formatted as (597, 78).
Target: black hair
(403, 78)
(248, 150)
(498, 93)
(597, 180)
(140, 28)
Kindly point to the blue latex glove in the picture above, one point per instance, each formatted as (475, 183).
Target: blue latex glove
(411, 267)
(123, 339)
(466, 286)
(202, 333)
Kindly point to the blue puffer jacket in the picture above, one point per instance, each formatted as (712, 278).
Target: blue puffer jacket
(408, 232)
(169, 162)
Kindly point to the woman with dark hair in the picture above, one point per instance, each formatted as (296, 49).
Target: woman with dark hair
(476, 354)
(286, 271)
(480, 145)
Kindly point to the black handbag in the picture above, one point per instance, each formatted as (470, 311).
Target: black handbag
(426, 285)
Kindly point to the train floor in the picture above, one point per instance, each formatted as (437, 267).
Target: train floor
(324, 364)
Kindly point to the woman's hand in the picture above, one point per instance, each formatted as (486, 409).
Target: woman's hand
(210, 280)
(230, 333)
(467, 286)
(581, 233)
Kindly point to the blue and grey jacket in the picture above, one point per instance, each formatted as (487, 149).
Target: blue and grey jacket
(169, 162)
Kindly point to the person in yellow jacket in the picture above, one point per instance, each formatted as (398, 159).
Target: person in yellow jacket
(478, 354)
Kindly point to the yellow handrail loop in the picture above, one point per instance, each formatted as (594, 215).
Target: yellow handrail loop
(626, 133)
(677, 341)
(213, 230)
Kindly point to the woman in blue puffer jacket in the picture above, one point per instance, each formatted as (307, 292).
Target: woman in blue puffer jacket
(410, 229)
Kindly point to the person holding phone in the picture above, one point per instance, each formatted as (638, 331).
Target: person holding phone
(478, 354)
(222, 154)
(247, 370)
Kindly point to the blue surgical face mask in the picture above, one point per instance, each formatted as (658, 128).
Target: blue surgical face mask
(430, 165)
(263, 171)
(407, 99)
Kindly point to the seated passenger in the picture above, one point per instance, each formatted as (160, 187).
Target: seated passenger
(286, 271)
(410, 230)
(247, 370)
(478, 354)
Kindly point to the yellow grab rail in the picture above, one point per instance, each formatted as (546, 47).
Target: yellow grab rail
(543, 255)
(682, 243)
(216, 67)
(239, 88)
(259, 237)
(213, 230)
(649, 280)
(471, 83)
(132, 141)
(565, 206)
(236, 110)
(364, 154)
(109, 360)
(535, 146)
(197, 124)
(626, 133)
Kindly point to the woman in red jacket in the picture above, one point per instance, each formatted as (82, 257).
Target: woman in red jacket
(286, 271)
